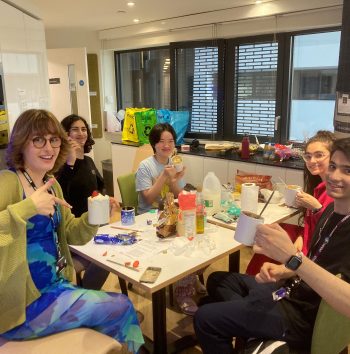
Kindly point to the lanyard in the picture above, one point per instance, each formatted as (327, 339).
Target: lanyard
(61, 262)
(327, 238)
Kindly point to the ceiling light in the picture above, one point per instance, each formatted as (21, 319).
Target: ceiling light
(258, 1)
(130, 3)
(136, 20)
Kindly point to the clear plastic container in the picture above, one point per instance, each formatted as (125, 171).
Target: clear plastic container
(211, 193)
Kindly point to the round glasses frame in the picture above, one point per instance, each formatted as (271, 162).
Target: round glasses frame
(39, 142)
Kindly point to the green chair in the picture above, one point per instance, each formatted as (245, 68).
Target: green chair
(127, 187)
(331, 334)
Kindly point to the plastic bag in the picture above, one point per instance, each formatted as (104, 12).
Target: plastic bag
(262, 181)
(129, 128)
(145, 121)
(177, 119)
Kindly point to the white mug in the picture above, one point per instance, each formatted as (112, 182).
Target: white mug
(246, 227)
(290, 192)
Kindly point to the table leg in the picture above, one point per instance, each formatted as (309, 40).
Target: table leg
(159, 322)
(123, 287)
(233, 262)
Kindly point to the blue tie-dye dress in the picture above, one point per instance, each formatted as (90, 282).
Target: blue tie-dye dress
(62, 305)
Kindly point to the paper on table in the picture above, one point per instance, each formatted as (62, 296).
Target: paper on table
(143, 249)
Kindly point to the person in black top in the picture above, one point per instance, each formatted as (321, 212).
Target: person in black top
(78, 178)
(275, 308)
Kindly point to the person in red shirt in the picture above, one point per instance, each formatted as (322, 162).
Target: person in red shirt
(313, 199)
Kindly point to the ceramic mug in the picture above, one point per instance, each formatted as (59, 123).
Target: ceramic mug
(246, 227)
(128, 215)
(290, 192)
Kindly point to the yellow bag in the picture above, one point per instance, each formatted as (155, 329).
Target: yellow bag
(129, 129)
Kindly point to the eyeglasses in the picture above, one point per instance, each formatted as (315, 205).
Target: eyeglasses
(317, 156)
(40, 141)
(76, 130)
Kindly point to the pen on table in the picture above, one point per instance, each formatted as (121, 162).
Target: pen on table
(123, 265)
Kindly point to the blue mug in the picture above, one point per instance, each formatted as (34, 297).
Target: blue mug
(128, 215)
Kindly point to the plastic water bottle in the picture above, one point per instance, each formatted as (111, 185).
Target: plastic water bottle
(211, 193)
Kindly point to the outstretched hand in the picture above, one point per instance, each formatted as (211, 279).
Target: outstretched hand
(44, 201)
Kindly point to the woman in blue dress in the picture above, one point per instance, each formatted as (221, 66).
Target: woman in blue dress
(36, 226)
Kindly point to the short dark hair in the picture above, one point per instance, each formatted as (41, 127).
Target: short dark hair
(30, 123)
(342, 145)
(67, 124)
(156, 132)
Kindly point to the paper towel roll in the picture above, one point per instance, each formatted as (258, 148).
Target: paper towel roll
(249, 197)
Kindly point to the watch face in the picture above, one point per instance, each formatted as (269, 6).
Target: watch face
(293, 263)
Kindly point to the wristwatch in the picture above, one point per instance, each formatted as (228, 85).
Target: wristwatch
(295, 261)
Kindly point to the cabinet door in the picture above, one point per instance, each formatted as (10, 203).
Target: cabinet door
(122, 161)
(218, 166)
(295, 177)
(194, 169)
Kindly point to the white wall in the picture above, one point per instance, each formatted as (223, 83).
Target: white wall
(58, 61)
(24, 61)
(77, 38)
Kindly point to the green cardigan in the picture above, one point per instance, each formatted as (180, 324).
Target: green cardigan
(17, 289)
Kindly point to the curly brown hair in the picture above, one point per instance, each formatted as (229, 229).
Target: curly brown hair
(30, 123)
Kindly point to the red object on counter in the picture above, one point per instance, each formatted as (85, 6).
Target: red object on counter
(245, 147)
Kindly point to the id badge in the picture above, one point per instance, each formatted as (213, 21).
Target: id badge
(279, 294)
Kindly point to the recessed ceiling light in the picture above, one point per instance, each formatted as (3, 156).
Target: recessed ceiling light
(130, 3)
(136, 20)
(258, 1)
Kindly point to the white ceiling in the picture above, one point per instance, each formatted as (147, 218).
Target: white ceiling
(103, 14)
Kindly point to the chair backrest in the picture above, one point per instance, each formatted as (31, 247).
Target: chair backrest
(142, 153)
(331, 331)
(127, 187)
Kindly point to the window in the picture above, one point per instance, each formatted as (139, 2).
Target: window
(255, 88)
(277, 87)
(143, 78)
(197, 81)
(313, 83)
(197, 75)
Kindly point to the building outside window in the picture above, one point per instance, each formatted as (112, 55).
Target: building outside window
(313, 83)
(255, 89)
(143, 78)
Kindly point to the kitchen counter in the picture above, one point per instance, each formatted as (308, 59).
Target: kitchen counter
(230, 155)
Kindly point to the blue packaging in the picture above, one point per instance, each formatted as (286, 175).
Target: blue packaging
(120, 239)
